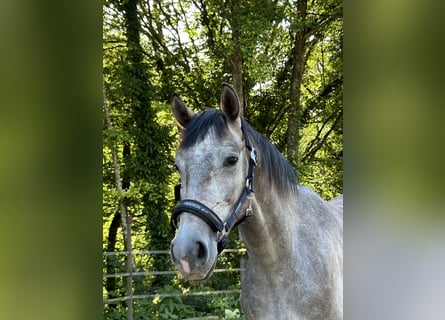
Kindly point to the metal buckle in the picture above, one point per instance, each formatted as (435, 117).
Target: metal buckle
(253, 155)
(249, 209)
(221, 234)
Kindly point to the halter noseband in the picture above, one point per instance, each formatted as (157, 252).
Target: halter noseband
(198, 209)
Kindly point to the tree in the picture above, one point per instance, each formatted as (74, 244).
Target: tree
(146, 144)
(284, 59)
(308, 29)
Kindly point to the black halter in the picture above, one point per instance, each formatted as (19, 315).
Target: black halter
(221, 228)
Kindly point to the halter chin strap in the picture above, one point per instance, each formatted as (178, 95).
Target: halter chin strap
(198, 209)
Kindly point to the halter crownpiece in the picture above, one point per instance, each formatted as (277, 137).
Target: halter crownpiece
(206, 214)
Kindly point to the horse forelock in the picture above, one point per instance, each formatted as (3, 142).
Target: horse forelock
(196, 130)
(272, 164)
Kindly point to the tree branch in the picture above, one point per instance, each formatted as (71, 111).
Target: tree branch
(313, 147)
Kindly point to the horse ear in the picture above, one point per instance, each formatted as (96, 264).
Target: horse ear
(182, 113)
(230, 102)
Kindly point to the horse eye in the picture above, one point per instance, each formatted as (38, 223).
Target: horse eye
(231, 161)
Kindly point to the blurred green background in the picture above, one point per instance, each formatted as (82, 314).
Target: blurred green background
(50, 163)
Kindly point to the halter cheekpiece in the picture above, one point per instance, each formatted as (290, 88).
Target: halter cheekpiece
(198, 209)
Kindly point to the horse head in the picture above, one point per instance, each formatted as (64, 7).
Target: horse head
(213, 163)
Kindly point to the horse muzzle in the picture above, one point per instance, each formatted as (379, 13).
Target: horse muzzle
(194, 252)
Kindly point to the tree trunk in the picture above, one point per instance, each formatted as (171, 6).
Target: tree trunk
(237, 55)
(295, 108)
(126, 228)
(237, 73)
(150, 145)
(111, 262)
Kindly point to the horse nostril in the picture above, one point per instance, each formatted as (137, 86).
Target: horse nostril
(202, 251)
(172, 254)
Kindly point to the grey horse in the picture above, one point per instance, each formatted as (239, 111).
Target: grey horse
(231, 175)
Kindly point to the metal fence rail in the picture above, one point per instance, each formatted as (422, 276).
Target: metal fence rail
(152, 252)
(170, 295)
(163, 272)
(150, 273)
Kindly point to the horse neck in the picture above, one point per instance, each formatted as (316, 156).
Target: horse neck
(269, 232)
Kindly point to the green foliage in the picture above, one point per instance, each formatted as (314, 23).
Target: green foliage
(178, 306)
(170, 307)
(187, 47)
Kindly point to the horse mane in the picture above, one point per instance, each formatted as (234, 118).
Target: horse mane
(276, 168)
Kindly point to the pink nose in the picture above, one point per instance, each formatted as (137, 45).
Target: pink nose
(189, 255)
(185, 265)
